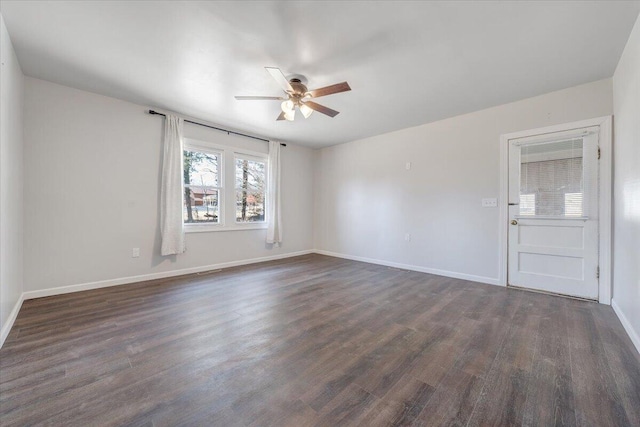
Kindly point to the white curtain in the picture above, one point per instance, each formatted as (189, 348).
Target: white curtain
(171, 197)
(274, 226)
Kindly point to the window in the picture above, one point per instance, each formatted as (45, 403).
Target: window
(573, 204)
(527, 204)
(552, 179)
(215, 176)
(250, 189)
(202, 186)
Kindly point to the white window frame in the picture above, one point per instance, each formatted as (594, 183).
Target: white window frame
(191, 145)
(228, 156)
(255, 158)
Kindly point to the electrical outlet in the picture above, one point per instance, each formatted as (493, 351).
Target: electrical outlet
(489, 203)
(407, 237)
(407, 165)
(135, 253)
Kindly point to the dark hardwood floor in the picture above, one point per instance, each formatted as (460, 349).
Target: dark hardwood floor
(315, 340)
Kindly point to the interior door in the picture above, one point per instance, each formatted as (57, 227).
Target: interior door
(553, 213)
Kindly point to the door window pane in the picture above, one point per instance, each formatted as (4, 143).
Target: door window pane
(527, 204)
(552, 179)
(573, 204)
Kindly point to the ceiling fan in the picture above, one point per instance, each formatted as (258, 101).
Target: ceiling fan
(297, 95)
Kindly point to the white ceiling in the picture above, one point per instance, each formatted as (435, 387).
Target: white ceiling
(408, 63)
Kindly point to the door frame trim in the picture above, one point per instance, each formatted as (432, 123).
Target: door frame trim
(605, 197)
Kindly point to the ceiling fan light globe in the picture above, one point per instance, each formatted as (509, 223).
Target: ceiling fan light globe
(287, 106)
(290, 115)
(306, 111)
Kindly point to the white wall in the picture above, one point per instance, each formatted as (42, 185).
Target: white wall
(11, 202)
(92, 171)
(626, 192)
(366, 200)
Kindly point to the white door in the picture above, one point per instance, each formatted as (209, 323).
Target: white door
(553, 210)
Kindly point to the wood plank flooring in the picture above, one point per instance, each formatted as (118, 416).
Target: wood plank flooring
(317, 341)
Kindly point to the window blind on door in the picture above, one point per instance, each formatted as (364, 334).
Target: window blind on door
(552, 179)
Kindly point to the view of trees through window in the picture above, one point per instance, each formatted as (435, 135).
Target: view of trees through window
(201, 187)
(250, 190)
(204, 192)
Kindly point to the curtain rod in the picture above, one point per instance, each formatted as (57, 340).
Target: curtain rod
(213, 127)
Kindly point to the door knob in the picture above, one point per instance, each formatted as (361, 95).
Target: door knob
(514, 222)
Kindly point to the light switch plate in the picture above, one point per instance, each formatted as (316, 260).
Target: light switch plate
(489, 203)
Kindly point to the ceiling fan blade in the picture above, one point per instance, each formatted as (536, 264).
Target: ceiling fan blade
(280, 78)
(259, 98)
(321, 108)
(329, 90)
(281, 116)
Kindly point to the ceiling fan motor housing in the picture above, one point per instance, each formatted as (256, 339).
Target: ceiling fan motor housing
(299, 90)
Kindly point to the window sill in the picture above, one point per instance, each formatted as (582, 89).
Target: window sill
(207, 228)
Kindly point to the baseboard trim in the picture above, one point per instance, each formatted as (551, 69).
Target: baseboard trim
(6, 328)
(160, 275)
(181, 272)
(437, 272)
(635, 337)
